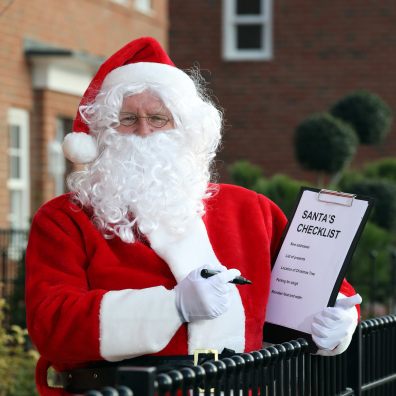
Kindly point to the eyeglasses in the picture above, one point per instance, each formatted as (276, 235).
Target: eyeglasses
(154, 120)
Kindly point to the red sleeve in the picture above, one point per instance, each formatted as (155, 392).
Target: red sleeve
(62, 314)
(275, 222)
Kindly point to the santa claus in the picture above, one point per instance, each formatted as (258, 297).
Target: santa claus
(113, 267)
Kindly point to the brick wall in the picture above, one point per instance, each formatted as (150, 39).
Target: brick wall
(97, 27)
(322, 51)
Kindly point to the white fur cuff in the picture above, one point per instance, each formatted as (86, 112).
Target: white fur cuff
(137, 322)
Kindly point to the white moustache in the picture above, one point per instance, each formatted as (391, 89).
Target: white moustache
(154, 139)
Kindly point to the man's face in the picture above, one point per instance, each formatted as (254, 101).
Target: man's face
(143, 114)
(157, 177)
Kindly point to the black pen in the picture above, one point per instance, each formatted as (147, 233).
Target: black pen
(239, 280)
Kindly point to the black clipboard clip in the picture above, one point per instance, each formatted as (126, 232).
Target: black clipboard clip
(336, 197)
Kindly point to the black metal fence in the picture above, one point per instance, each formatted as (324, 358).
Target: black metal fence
(368, 367)
(12, 251)
(12, 274)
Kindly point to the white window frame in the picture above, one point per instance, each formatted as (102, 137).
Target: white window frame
(56, 159)
(144, 6)
(122, 2)
(230, 22)
(20, 118)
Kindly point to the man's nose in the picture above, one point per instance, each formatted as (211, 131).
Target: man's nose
(143, 128)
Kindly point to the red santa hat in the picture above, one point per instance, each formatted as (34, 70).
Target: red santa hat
(140, 61)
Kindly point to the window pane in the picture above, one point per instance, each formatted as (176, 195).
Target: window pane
(16, 208)
(15, 167)
(15, 136)
(143, 5)
(62, 168)
(63, 126)
(249, 37)
(248, 7)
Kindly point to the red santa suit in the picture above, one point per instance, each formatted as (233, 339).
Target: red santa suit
(89, 298)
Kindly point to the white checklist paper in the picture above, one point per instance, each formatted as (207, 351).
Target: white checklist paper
(312, 256)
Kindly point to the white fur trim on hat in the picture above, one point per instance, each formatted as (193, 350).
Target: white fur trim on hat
(150, 72)
(80, 148)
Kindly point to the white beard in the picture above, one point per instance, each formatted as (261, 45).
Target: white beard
(162, 178)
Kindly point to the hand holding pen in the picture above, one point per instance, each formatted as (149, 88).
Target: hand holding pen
(206, 294)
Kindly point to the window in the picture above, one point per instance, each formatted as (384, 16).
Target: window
(57, 166)
(122, 2)
(145, 6)
(18, 168)
(247, 29)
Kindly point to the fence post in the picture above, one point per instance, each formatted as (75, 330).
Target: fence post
(4, 276)
(393, 281)
(373, 281)
(354, 362)
(139, 379)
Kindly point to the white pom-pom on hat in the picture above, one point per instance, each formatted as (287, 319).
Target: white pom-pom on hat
(80, 148)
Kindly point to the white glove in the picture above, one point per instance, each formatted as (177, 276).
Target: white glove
(332, 329)
(198, 298)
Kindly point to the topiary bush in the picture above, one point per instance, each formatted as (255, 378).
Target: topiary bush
(384, 193)
(245, 174)
(324, 143)
(368, 114)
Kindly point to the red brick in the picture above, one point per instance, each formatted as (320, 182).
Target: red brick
(322, 51)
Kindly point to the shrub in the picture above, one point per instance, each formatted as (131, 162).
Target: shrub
(245, 174)
(369, 115)
(17, 363)
(384, 193)
(282, 190)
(347, 179)
(382, 169)
(324, 143)
(360, 272)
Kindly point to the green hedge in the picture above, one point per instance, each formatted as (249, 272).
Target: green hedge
(282, 190)
(377, 240)
(384, 193)
(381, 169)
(245, 174)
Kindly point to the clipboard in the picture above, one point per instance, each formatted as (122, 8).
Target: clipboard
(310, 265)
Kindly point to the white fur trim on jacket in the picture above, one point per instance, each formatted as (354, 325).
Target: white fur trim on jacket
(137, 322)
(79, 147)
(191, 251)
